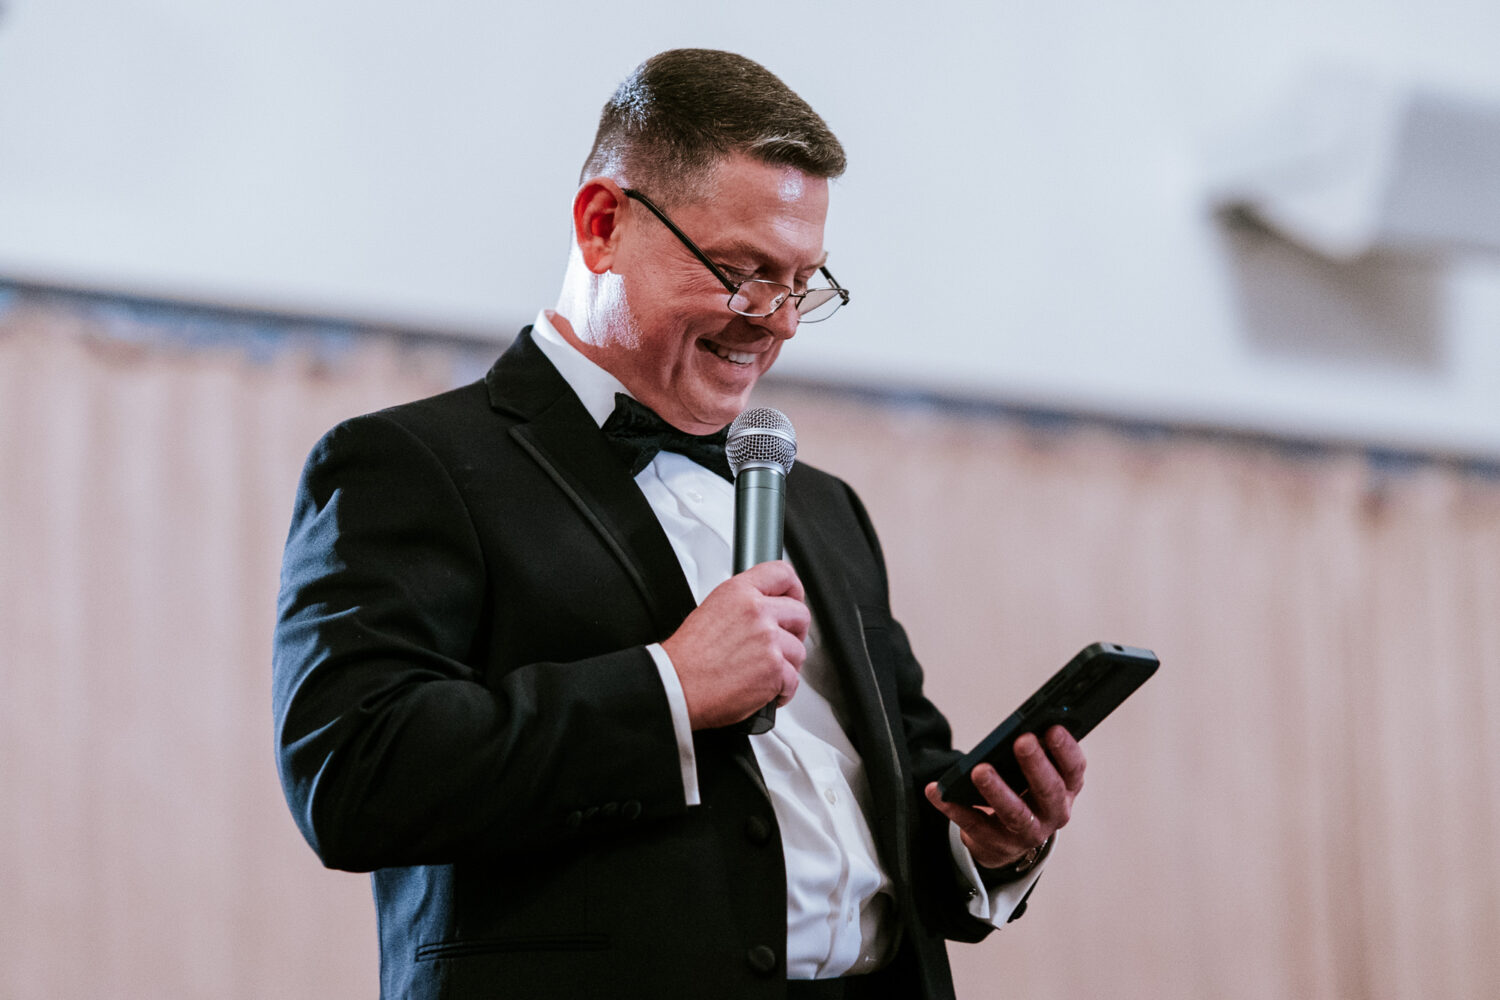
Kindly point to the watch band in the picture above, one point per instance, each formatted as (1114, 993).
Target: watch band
(1027, 861)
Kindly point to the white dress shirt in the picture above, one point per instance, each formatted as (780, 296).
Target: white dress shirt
(837, 892)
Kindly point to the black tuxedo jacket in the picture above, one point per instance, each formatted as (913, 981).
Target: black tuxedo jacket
(464, 706)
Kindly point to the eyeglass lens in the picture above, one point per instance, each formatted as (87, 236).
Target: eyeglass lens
(757, 297)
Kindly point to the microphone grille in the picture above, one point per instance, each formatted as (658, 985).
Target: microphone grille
(761, 436)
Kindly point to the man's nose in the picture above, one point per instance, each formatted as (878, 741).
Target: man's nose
(782, 323)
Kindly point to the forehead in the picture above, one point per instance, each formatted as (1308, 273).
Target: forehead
(776, 213)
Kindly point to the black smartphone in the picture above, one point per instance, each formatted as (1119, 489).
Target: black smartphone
(1078, 697)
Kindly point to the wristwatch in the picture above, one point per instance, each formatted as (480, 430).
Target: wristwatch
(1021, 865)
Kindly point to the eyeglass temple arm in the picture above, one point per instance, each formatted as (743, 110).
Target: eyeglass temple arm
(843, 292)
(729, 286)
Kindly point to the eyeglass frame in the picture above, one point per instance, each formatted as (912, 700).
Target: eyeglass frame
(734, 287)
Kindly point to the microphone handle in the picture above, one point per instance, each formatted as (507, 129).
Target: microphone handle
(759, 526)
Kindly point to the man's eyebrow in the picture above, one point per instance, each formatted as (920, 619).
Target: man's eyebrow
(754, 252)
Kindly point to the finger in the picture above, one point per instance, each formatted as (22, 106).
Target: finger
(990, 843)
(1068, 756)
(1010, 810)
(1045, 788)
(792, 616)
(776, 579)
(793, 651)
(790, 680)
(965, 817)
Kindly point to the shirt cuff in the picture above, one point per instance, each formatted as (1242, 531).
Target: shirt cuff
(994, 904)
(681, 724)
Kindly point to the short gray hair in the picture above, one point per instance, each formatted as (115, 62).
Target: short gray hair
(683, 111)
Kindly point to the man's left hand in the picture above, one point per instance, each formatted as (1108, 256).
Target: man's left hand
(1004, 831)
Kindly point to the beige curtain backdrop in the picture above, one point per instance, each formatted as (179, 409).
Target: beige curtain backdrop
(1302, 803)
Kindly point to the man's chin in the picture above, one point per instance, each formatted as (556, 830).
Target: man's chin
(708, 418)
(721, 419)
(702, 405)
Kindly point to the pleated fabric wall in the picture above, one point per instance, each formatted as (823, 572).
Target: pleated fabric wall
(1305, 801)
(1301, 804)
(146, 480)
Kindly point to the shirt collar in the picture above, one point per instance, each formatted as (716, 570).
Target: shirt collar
(594, 387)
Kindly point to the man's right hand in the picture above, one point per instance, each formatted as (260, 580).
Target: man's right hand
(742, 648)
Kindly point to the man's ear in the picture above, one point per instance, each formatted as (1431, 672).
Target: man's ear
(598, 209)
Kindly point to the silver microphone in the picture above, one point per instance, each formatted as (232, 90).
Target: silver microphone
(761, 447)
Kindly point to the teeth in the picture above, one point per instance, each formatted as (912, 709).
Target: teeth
(738, 357)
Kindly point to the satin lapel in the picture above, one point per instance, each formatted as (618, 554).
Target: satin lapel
(564, 440)
(842, 631)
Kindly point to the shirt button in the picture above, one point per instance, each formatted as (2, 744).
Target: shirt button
(831, 796)
(695, 496)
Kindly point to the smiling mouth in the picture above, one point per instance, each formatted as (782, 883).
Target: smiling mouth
(733, 357)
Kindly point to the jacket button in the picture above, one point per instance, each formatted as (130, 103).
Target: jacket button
(631, 810)
(590, 813)
(609, 810)
(758, 831)
(762, 960)
(574, 820)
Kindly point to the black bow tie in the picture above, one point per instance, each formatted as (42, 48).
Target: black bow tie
(636, 433)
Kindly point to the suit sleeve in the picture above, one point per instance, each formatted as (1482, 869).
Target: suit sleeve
(393, 748)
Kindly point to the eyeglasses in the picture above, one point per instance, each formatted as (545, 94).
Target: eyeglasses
(757, 297)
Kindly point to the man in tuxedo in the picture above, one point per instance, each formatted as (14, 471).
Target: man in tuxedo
(511, 662)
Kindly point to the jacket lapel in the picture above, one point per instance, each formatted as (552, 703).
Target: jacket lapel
(558, 433)
(876, 729)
